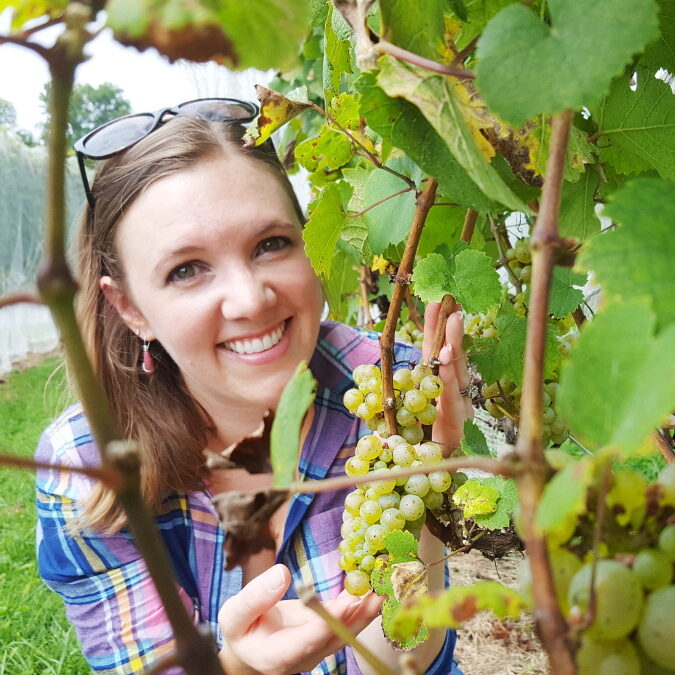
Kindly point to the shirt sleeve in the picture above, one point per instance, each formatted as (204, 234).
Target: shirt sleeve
(109, 596)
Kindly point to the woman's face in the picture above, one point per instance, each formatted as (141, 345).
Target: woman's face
(215, 269)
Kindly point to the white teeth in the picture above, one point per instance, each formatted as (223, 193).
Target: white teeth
(257, 345)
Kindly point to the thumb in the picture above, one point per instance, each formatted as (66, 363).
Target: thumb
(259, 595)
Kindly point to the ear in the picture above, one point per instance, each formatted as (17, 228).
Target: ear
(125, 308)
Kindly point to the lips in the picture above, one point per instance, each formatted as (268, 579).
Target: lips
(258, 344)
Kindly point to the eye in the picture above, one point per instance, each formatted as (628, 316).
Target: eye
(272, 245)
(183, 272)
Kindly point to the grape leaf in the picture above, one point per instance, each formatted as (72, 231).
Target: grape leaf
(22, 11)
(503, 357)
(635, 259)
(564, 297)
(323, 228)
(470, 277)
(627, 497)
(275, 110)
(587, 44)
(409, 579)
(434, 96)
(336, 56)
(619, 380)
(507, 502)
(458, 604)
(479, 13)
(661, 53)
(420, 32)
(402, 548)
(328, 151)
(443, 226)
(345, 109)
(296, 398)
(402, 124)
(473, 441)
(577, 207)
(340, 287)
(476, 498)
(564, 500)
(638, 127)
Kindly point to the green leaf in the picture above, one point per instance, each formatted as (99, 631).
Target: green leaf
(459, 604)
(503, 356)
(404, 126)
(507, 502)
(476, 281)
(638, 127)
(433, 95)
(473, 441)
(443, 226)
(432, 278)
(564, 500)
(275, 110)
(479, 13)
(328, 151)
(661, 53)
(476, 499)
(336, 56)
(635, 258)
(323, 228)
(340, 287)
(587, 44)
(345, 109)
(295, 400)
(627, 497)
(577, 207)
(619, 381)
(420, 32)
(564, 298)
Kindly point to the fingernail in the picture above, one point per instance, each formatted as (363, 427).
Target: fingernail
(445, 355)
(274, 578)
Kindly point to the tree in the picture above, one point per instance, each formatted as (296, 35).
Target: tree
(89, 108)
(7, 114)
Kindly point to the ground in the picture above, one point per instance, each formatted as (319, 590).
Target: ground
(487, 645)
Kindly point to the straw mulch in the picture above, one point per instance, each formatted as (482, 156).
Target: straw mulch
(487, 645)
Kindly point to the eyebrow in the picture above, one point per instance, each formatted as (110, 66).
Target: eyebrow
(192, 249)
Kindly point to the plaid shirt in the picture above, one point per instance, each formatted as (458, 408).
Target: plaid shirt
(109, 596)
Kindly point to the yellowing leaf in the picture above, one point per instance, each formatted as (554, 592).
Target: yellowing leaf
(382, 265)
(476, 498)
(409, 580)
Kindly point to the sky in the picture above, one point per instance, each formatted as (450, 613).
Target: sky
(148, 80)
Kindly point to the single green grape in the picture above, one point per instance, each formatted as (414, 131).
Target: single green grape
(355, 466)
(365, 372)
(405, 417)
(373, 401)
(430, 452)
(353, 502)
(420, 371)
(372, 385)
(431, 386)
(370, 511)
(413, 434)
(357, 582)
(433, 500)
(375, 535)
(347, 561)
(368, 447)
(367, 563)
(403, 380)
(412, 507)
(428, 415)
(548, 415)
(392, 519)
(386, 455)
(417, 485)
(667, 541)
(391, 500)
(404, 455)
(352, 399)
(414, 400)
(440, 481)
(383, 482)
(364, 412)
(653, 568)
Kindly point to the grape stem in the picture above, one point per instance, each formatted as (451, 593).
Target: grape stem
(482, 463)
(424, 202)
(545, 243)
(663, 447)
(308, 596)
(384, 47)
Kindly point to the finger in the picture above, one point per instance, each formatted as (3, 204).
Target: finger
(454, 335)
(431, 312)
(366, 611)
(257, 597)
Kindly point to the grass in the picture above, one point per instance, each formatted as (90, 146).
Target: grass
(35, 636)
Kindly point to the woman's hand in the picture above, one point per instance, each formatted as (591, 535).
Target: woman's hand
(264, 634)
(453, 407)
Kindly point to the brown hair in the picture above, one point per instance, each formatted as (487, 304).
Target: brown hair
(171, 452)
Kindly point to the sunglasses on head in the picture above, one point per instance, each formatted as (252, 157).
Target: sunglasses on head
(120, 134)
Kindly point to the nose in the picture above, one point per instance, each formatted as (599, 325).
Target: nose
(249, 293)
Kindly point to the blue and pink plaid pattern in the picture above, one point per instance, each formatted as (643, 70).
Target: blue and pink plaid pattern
(109, 596)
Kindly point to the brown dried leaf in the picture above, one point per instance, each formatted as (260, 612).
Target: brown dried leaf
(245, 518)
(409, 580)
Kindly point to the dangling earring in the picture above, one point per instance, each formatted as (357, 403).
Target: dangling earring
(148, 363)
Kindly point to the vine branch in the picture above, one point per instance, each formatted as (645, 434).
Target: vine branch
(545, 241)
(424, 202)
(384, 47)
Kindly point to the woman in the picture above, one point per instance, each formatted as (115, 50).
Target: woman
(197, 303)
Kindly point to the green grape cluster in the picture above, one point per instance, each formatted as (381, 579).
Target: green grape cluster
(482, 325)
(502, 398)
(410, 333)
(416, 390)
(387, 502)
(519, 260)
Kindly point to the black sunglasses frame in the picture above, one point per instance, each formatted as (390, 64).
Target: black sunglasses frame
(157, 121)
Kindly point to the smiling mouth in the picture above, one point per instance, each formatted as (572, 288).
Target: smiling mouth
(258, 344)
